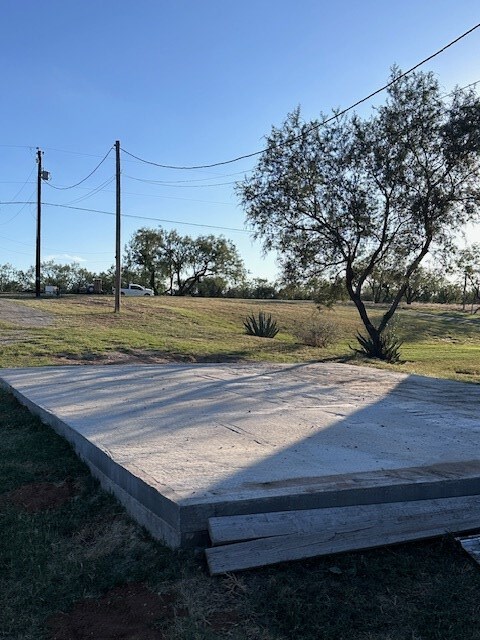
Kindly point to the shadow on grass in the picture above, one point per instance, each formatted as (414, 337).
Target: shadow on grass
(418, 327)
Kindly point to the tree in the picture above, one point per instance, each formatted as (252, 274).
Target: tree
(468, 264)
(193, 259)
(211, 287)
(178, 263)
(10, 278)
(424, 284)
(338, 199)
(145, 250)
(68, 277)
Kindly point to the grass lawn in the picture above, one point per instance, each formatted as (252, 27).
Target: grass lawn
(84, 329)
(73, 565)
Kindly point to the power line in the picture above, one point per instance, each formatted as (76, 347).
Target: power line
(149, 195)
(20, 210)
(320, 124)
(98, 189)
(86, 177)
(23, 253)
(17, 146)
(30, 244)
(140, 217)
(214, 177)
(131, 215)
(17, 181)
(24, 184)
(156, 195)
(175, 184)
(74, 153)
(467, 86)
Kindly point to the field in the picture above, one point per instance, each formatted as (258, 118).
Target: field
(74, 566)
(438, 341)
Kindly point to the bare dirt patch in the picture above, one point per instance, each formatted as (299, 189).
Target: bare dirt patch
(39, 496)
(223, 620)
(140, 356)
(127, 612)
(22, 315)
(14, 336)
(130, 356)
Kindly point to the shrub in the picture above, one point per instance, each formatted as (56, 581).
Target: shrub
(318, 331)
(387, 347)
(264, 327)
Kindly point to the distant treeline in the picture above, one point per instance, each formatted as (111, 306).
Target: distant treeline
(210, 266)
(427, 286)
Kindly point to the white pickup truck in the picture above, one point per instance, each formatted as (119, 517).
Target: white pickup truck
(135, 290)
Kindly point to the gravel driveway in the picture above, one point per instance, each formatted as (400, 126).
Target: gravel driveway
(22, 316)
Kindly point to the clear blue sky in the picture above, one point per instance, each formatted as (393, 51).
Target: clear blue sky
(185, 82)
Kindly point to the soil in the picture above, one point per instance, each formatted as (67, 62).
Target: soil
(223, 620)
(39, 496)
(139, 356)
(130, 356)
(22, 316)
(127, 612)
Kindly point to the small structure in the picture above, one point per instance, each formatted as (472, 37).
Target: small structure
(51, 290)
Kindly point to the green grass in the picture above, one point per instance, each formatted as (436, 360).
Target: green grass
(437, 342)
(51, 559)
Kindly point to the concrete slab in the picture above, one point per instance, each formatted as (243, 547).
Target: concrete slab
(181, 443)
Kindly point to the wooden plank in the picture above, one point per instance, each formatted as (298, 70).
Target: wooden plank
(397, 522)
(227, 529)
(471, 546)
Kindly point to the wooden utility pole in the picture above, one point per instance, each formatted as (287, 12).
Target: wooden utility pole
(118, 267)
(39, 223)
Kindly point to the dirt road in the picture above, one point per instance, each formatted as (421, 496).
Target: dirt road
(22, 316)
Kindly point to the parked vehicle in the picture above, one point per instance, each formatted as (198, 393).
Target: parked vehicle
(135, 290)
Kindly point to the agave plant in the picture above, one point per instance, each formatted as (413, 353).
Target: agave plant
(387, 348)
(263, 327)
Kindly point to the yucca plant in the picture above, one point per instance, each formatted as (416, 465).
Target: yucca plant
(386, 348)
(264, 327)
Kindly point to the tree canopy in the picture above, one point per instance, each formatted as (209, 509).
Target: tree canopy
(341, 199)
(177, 264)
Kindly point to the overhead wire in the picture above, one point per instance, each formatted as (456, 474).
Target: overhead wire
(164, 183)
(205, 166)
(20, 210)
(141, 217)
(214, 177)
(24, 184)
(131, 215)
(93, 192)
(316, 126)
(24, 253)
(157, 195)
(31, 244)
(72, 186)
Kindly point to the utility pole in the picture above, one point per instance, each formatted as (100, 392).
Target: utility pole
(41, 175)
(39, 222)
(118, 283)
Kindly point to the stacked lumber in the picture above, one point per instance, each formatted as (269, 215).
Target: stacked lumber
(255, 540)
(471, 545)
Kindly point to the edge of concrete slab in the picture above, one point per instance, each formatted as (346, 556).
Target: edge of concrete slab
(159, 515)
(183, 522)
(446, 480)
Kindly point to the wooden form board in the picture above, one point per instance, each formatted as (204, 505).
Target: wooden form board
(471, 546)
(261, 539)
